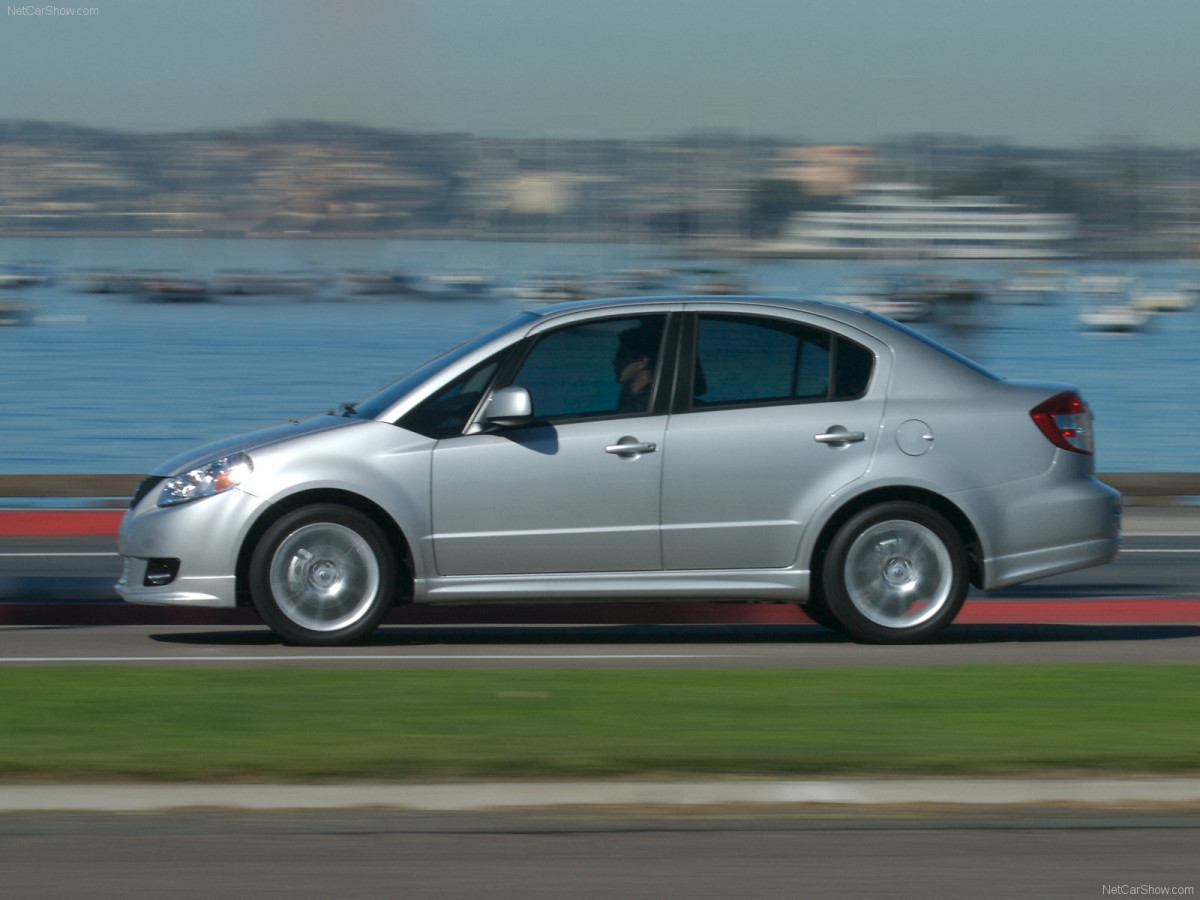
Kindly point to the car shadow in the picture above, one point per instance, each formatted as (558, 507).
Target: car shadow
(542, 635)
(1077, 591)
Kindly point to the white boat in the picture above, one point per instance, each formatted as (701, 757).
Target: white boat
(1113, 318)
(904, 221)
(1102, 285)
(714, 282)
(168, 288)
(1027, 289)
(102, 281)
(460, 283)
(549, 289)
(23, 275)
(1164, 301)
(386, 282)
(887, 298)
(251, 283)
(15, 312)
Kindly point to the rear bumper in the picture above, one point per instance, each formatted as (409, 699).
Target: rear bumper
(1044, 529)
(1018, 567)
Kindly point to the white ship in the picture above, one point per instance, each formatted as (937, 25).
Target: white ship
(903, 221)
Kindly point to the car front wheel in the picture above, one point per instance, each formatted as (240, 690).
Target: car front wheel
(323, 575)
(895, 573)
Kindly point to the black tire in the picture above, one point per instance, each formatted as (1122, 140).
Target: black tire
(895, 573)
(323, 575)
(817, 609)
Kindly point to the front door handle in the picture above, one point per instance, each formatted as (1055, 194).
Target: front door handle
(839, 436)
(629, 447)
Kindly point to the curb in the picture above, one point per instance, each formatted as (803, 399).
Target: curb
(490, 796)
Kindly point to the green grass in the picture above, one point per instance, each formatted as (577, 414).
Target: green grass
(97, 723)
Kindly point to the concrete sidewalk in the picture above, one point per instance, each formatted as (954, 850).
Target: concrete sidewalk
(1169, 521)
(483, 796)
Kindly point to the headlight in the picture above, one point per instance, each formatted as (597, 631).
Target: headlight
(213, 478)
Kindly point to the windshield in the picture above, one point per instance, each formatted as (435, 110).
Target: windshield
(375, 405)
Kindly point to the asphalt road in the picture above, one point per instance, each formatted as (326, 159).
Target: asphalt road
(604, 854)
(1152, 567)
(599, 647)
(1160, 557)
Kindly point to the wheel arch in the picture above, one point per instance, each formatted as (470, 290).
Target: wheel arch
(958, 520)
(274, 512)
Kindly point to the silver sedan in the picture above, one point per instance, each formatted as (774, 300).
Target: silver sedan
(750, 449)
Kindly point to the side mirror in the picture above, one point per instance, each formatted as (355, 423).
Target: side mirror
(510, 407)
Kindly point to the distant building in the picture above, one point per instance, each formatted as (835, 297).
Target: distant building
(904, 221)
(825, 171)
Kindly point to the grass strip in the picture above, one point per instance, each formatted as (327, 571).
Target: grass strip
(120, 724)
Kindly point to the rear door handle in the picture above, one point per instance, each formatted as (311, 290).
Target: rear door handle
(834, 436)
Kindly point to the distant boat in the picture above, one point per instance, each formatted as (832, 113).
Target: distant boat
(23, 275)
(15, 312)
(900, 310)
(460, 283)
(103, 281)
(385, 282)
(910, 297)
(1164, 301)
(548, 289)
(251, 283)
(904, 221)
(1102, 285)
(1118, 318)
(714, 282)
(1027, 289)
(174, 289)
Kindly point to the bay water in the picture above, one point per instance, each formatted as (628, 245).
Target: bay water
(102, 383)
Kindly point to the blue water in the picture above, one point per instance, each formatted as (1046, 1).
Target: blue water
(106, 385)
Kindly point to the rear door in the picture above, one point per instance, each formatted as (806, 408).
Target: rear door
(780, 413)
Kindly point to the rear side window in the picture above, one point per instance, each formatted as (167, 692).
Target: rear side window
(750, 360)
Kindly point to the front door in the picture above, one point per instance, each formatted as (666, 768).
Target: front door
(577, 490)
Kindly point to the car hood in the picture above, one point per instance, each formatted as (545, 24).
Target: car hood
(245, 443)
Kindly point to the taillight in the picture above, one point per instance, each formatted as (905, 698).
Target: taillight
(1066, 420)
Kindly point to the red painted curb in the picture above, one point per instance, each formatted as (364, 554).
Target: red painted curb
(60, 522)
(978, 612)
(1139, 611)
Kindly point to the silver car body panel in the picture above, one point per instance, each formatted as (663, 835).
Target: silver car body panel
(730, 503)
(556, 501)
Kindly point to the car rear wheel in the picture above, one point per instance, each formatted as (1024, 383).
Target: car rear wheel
(323, 575)
(895, 573)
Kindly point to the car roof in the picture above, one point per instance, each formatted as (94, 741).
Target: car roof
(839, 311)
(872, 323)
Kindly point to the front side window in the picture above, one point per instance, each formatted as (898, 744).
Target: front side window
(748, 360)
(598, 368)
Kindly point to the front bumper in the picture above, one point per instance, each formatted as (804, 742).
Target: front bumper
(205, 536)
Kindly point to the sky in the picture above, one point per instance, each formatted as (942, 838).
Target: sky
(1031, 72)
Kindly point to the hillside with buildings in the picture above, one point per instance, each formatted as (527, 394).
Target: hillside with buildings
(723, 192)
